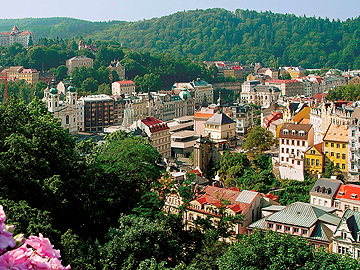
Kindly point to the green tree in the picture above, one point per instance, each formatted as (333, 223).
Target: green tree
(258, 140)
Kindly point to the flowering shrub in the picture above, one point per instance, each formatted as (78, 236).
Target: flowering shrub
(18, 253)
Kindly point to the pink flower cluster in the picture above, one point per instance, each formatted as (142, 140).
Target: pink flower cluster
(34, 253)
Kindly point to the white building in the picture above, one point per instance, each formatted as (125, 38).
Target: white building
(294, 139)
(16, 36)
(123, 88)
(66, 110)
(354, 147)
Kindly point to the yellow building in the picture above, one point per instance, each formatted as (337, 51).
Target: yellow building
(220, 127)
(30, 75)
(314, 159)
(336, 145)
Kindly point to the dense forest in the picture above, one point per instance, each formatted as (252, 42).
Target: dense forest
(245, 36)
(217, 34)
(56, 27)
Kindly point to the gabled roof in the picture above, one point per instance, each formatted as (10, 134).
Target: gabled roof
(321, 232)
(317, 147)
(295, 127)
(219, 119)
(352, 220)
(303, 215)
(247, 196)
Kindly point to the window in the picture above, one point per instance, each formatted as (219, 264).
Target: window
(343, 156)
(282, 158)
(303, 143)
(298, 162)
(347, 206)
(287, 150)
(343, 235)
(338, 145)
(337, 205)
(312, 152)
(287, 159)
(356, 208)
(271, 225)
(287, 229)
(343, 166)
(304, 232)
(279, 227)
(312, 162)
(314, 200)
(326, 144)
(298, 143)
(282, 141)
(282, 150)
(296, 230)
(317, 162)
(308, 161)
(332, 144)
(344, 145)
(320, 201)
(292, 161)
(292, 142)
(287, 142)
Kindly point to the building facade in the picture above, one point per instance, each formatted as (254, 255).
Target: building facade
(97, 111)
(78, 61)
(25, 38)
(123, 88)
(294, 139)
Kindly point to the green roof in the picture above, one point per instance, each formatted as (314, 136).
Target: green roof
(303, 215)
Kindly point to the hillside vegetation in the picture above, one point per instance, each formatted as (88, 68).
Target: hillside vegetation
(56, 27)
(245, 36)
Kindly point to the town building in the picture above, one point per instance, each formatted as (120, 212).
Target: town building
(119, 68)
(123, 87)
(243, 116)
(182, 143)
(346, 239)
(324, 191)
(314, 223)
(97, 112)
(347, 197)
(25, 38)
(207, 202)
(30, 75)
(200, 118)
(336, 146)
(314, 159)
(202, 91)
(354, 147)
(158, 134)
(258, 94)
(78, 61)
(66, 111)
(288, 88)
(220, 128)
(294, 139)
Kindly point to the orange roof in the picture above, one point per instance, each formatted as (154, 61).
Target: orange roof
(203, 115)
(349, 192)
(304, 121)
(337, 133)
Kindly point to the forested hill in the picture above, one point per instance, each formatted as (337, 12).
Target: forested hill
(245, 36)
(56, 27)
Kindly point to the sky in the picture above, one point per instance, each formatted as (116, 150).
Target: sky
(134, 10)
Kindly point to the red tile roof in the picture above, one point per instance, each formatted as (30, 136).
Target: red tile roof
(349, 192)
(125, 82)
(154, 124)
(283, 81)
(203, 115)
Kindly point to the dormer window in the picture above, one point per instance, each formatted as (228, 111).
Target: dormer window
(341, 193)
(301, 133)
(317, 189)
(293, 132)
(353, 196)
(286, 131)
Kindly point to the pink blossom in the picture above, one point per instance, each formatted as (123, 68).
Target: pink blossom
(2, 215)
(16, 259)
(40, 263)
(43, 246)
(55, 263)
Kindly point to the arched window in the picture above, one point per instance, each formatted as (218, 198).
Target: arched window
(67, 119)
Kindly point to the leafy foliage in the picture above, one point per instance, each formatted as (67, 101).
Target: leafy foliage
(245, 36)
(258, 140)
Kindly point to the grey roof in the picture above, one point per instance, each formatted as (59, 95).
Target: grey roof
(219, 119)
(273, 208)
(321, 232)
(352, 218)
(303, 215)
(266, 88)
(261, 224)
(246, 196)
(325, 187)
